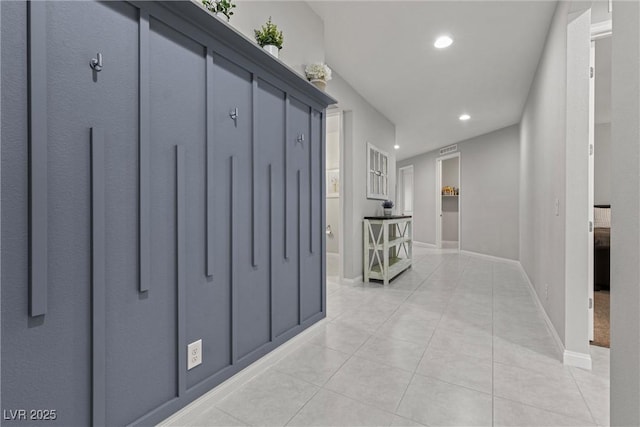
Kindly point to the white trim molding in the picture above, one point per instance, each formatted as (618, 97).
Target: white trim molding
(238, 380)
(491, 257)
(569, 358)
(579, 360)
(355, 280)
(423, 245)
(547, 320)
(601, 30)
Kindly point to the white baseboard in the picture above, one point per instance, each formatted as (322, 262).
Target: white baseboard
(491, 257)
(547, 320)
(226, 387)
(333, 255)
(357, 279)
(423, 245)
(569, 358)
(579, 360)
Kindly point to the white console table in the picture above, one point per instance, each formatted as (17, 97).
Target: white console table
(387, 246)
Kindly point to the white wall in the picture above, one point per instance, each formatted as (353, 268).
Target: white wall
(451, 172)
(602, 164)
(488, 194)
(542, 174)
(304, 43)
(625, 216)
(303, 30)
(362, 123)
(553, 180)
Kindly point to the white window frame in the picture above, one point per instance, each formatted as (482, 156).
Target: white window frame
(380, 175)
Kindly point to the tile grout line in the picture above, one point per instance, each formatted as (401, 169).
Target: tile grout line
(571, 376)
(232, 416)
(585, 400)
(371, 335)
(401, 298)
(429, 342)
(493, 358)
(544, 409)
(322, 387)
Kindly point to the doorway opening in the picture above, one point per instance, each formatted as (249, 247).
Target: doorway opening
(405, 190)
(600, 187)
(448, 202)
(334, 196)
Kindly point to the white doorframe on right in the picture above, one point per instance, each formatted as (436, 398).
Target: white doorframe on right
(438, 213)
(598, 31)
(591, 254)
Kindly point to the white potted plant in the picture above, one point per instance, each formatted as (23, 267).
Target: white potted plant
(269, 38)
(223, 9)
(318, 74)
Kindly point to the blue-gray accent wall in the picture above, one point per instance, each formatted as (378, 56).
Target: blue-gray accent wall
(139, 216)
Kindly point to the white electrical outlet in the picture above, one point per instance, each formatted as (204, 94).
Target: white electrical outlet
(556, 207)
(194, 354)
(546, 291)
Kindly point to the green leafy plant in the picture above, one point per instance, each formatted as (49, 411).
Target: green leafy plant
(268, 34)
(220, 6)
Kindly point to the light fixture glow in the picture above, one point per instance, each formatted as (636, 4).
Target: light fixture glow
(396, 146)
(464, 117)
(443, 42)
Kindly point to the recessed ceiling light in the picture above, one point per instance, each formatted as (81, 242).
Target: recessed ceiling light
(443, 41)
(464, 117)
(396, 146)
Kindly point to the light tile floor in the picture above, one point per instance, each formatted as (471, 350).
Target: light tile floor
(456, 340)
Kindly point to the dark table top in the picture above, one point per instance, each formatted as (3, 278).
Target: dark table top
(382, 217)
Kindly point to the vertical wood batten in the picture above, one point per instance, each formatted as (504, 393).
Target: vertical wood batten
(181, 228)
(38, 168)
(323, 216)
(98, 281)
(144, 153)
(311, 139)
(299, 248)
(254, 163)
(233, 256)
(210, 165)
(271, 301)
(287, 112)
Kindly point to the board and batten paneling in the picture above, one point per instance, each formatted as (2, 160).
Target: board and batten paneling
(175, 195)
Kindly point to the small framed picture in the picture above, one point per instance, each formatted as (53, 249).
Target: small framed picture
(333, 183)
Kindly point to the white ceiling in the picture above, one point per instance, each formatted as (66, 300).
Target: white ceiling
(384, 49)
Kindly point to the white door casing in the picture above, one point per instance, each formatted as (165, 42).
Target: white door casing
(405, 190)
(438, 213)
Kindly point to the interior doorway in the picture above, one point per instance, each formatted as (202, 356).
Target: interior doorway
(334, 196)
(405, 190)
(448, 202)
(600, 184)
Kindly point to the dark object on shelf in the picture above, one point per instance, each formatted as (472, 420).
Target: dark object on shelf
(602, 255)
